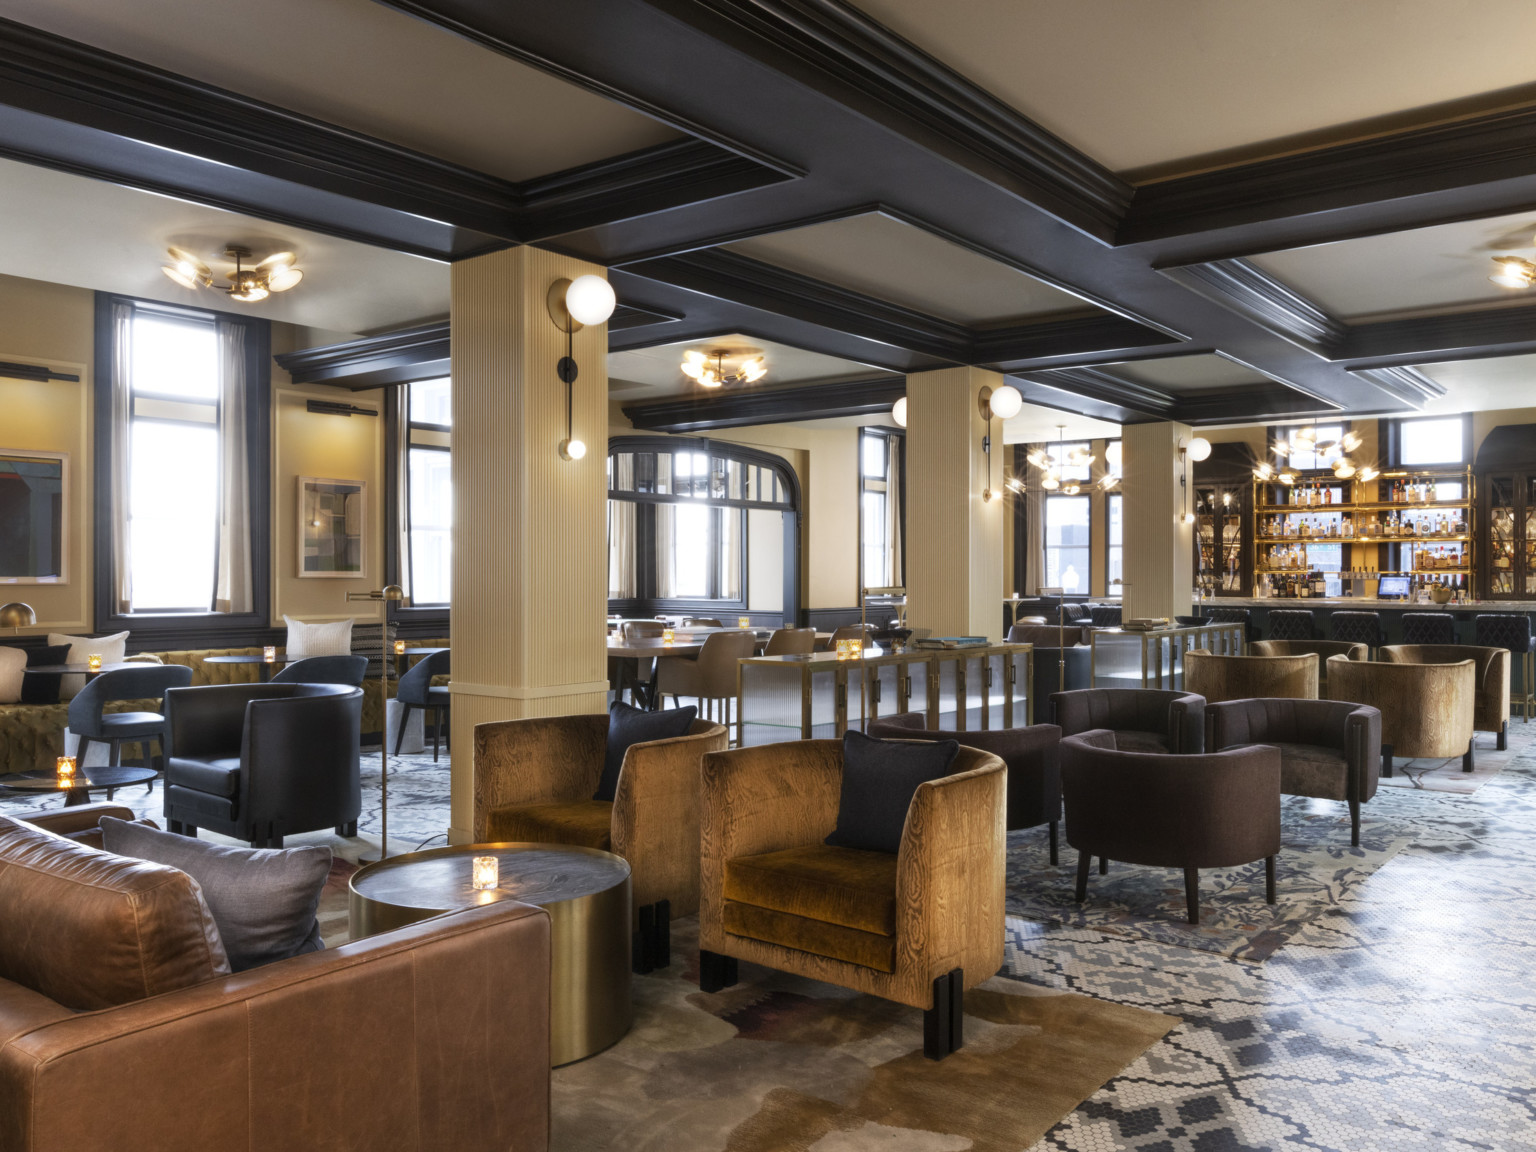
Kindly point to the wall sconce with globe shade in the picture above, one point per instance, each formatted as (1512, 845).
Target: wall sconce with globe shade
(573, 304)
(1001, 403)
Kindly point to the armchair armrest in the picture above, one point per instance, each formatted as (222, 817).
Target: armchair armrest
(656, 815)
(453, 1012)
(950, 872)
(543, 760)
(1362, 749)
(1186, 724)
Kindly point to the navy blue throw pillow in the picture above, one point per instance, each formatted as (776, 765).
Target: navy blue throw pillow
(44, 689)
(880, 777)
(628, 726)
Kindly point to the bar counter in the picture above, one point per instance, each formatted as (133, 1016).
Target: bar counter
(1323, 607)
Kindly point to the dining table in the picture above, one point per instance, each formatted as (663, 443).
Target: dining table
(647, 648)
(264, 665)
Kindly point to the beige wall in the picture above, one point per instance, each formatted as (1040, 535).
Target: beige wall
(51, 324)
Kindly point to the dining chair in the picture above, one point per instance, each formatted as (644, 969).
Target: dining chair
(709, 677)
(348, 670)
(790, 642)
(88, 721)
(701, 622)
(416, 690)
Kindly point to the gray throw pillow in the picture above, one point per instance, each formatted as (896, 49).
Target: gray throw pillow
(262, 899)
(880, 777)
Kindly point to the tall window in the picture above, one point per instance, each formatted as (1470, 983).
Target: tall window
(429, 490)
(880, 496)
(1066, 543)
(174, 412)
(1116, 568)
(1432, 441)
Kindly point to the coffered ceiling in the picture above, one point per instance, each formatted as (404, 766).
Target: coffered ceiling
(656, 373)
(1185, 374)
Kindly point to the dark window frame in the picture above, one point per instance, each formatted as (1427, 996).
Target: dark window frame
(154, 630)
(1392, 441)
(435, 619)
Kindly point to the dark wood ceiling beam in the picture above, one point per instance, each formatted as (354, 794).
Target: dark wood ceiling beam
(870, 397)
(1503, 331)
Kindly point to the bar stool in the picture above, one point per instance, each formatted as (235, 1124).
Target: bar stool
(1512, 631)
(1429, 628)
(1241, 616)
(1358, 628)
(1292, 624)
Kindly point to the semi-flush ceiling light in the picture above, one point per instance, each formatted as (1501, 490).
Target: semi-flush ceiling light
(572, 305)
(899, 412)
(696, 366)
(1513, 272)
(248, 285)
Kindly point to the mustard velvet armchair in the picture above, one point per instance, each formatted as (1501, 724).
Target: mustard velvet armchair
(1323, 648)
(1250, 677)
(1490, 711)
(1426, 709)
(917, 927)
(534, 781)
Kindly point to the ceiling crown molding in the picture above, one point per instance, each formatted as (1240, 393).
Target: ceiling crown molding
(1507, 330)
(139, 106)
(1407, 384)
(869, 397)
(1244, 288)
(418, 353)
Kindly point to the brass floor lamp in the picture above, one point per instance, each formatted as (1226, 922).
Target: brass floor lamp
(389, 593)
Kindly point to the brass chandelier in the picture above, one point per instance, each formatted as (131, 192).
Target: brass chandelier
(710, 369)
(248, 285)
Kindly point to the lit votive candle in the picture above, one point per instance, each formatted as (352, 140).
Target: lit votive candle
(666, 636)
(399, 647)
(744, 621)
(93, 662)
(842, 649)
(854, 648)
(485, 875)
(269, 654)
(64, 768)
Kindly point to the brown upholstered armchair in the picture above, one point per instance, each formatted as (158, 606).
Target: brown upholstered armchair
(1329, 749)
(918, 927)
(1490, 711)
(114, 1033)
(535, 779)
(1215, 810)
(1246, 677)
(1032, 756)
(1322, 648)
(1426, 709)
(1142, 719)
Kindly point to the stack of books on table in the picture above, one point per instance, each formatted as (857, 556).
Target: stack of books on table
(950, 642)
(1146, 624)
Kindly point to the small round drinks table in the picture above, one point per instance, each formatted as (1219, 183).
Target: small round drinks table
(584, 890)
(109, 777)
(264, 665)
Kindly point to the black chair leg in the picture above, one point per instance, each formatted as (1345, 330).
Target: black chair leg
(1386, 760)
(437, 731)
(1354, 822)
(405, 716)
(1055, 857)
(943, 1024)
(1084, 862)
(1192, 893)
(85, 742)
(661, 936)
(1467, 757)
(1269, 879)
(1503, 742)
(716, 971)
(347, 830)
(640, 947)
(1103, 865)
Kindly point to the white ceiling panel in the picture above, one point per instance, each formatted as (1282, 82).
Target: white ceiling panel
(1180, 374)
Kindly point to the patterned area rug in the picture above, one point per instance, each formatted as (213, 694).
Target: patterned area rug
(782, 1064)
(1447, 776)
(1316, 869)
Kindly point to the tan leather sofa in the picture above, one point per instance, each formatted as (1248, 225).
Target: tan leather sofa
(1426, 709)
(1490, 710)
(534, 781)
(918, 927)
(434, 1036)
(1249, 677)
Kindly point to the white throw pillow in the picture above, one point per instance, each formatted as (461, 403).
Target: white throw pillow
(111, 649)
(13, 666)
(333, 639)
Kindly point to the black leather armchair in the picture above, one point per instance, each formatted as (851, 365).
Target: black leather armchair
(1032, 756)
(348, 670)
(89, 722)
(1329, 749)
(1142, 719)
(262, 761)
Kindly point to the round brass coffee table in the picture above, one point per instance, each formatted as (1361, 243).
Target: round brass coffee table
(586, 893)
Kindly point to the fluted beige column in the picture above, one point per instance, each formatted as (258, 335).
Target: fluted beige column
(530, 564)
(1159, 547)
(954, 536)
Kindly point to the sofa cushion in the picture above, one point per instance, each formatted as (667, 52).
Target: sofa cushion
(333, 638)
(1310, 770)
(817, 937)
(217, 777)
(43, 688)
(587, 823)
(880, 778)
(111, 649)
(628, 726)
(92, 930)
(1130, 740)
(262, 899)
(820, 882)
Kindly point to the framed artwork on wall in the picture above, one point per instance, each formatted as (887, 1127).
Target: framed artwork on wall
(34, 517)
(333, 527)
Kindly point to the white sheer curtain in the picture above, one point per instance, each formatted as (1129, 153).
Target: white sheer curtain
(666, 556)
(894, 574)
(621, 531)
(122, 401)
(402, 494)
(730, 546)
(232, 588)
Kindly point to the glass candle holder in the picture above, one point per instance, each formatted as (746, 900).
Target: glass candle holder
(93, 662)
(842, 649)
(744, 621)
(269, 654)
(666, 635)
(485, 874)
(399, 647)
(854, 648)
(64, 770)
